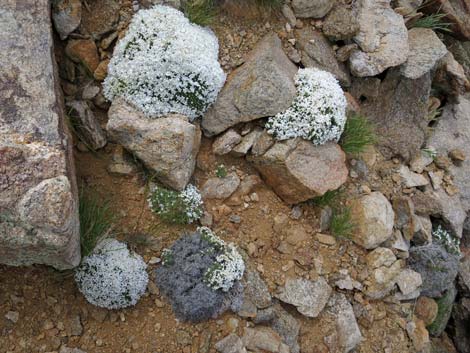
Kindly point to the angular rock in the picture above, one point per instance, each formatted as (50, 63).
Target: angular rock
(426, 309)
(426, 49)
(380, 257)
(457, 13)
(262, 144)
(310, 297)
(289, 15)
(444, 311)
(451, 211)
(167, 145)
(349, 334)
(453, 132)
(399, 109)
(404, 216)
(408, 281)
(423, 230)
(247, 142)
(226, 142)
(230, 344)
(411, 179)
(418, 334)
(316, 51)
(255, 289)
(297, 170)
(66, 15)
(263, 339)
(436, 266)
(87, 125)
(383, 280)
(263, 86)
(383, 39)
(374, 218)
(121, 163)
(220, 188)
(341, 23)
(38, 193)
(100, 17)
(84, 52)
(312, 8)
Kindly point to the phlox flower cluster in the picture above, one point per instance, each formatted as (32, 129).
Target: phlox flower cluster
(443, 237)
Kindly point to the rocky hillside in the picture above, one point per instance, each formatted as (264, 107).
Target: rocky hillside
(235, 176)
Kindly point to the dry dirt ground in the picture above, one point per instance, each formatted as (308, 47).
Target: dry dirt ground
(53, 313)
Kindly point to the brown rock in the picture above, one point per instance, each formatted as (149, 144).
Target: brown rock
(426, 309)
(83, 51)
(297, 170)
(102, 70)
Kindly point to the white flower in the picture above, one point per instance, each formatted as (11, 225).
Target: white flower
(112, 277)
(443, 236)
(228, 266)
(165, 64)
(318, 113)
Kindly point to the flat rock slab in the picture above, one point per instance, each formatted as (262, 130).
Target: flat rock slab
(38, 193)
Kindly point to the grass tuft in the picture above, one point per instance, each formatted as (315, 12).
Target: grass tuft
(95, 222)
(358, 134)
(201, 12)
(327, 199)
(434, 22)
(342, 225)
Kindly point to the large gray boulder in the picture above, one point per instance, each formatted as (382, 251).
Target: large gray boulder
(38, 192)
(382, 38)
(263, 86)
(297, 170)
(453, 132)
(426, 49)
(398, 106)
(167, 145)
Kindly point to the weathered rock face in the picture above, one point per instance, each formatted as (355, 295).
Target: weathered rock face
(374, 217)
(167, 145)
(426, 49)
(341, 23)
(297, 170)
(451, 132)
(312, 8)
(457, 12)
(263, 86)
(399, 108)
(66, 15)
(382, 38)
(316, 51)
(38, 192)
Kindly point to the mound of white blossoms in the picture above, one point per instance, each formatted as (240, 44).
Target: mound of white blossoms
(112, 277)
(165, 64)
(318, 112)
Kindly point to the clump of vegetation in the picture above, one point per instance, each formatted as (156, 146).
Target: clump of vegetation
(95, 222)
(167, 257)
(318, 112)
(112, 277)
(176, 207)
(327, 199)
(201, 12)
(434, 22)
(358, 134)
(342, 225)
(446, 239)
(221, 171)
(165, 64)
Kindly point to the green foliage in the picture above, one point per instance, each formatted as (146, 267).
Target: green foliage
(358, 134)
(342, 225)
(95, 222)
(434, 22)
(201, 12)
(167, 257)
(221, 171)
(327, 199)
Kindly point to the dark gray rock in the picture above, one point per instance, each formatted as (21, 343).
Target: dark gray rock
(256, 290)
(461, 317)
(181, 280)
(436, 266)
(398, 108)
(464, 276)
(86, 124)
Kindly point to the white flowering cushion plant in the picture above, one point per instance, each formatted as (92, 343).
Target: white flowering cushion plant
(176, 207)
(318, 112)
(112, 277)
(165, 64)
